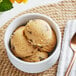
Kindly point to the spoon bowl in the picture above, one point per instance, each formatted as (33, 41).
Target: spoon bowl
(73, 47)
(73, 43)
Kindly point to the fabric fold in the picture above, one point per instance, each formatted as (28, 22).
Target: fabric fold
(66, 51)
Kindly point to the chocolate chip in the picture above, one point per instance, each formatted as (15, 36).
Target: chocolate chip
(31, 40)
(35, 46)
(41, 46)
(41, 58)
(32, 52)
(38, 49)
(30, 32)
(23, 33)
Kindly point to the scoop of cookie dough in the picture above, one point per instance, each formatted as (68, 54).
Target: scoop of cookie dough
(36, 57)
(19, 45)
(40, 35)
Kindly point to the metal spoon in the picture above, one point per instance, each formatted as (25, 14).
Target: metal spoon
(73, 47)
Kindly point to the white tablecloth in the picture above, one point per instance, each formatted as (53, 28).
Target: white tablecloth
(4, 17)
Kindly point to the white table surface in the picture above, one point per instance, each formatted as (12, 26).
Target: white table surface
(5, 16)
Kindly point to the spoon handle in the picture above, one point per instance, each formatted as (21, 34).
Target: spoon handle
(71, 64)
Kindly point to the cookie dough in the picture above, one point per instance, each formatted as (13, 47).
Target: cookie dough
(38, 56)
(40, 35)
(19, 45)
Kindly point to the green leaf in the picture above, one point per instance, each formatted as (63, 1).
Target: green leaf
(5, 5)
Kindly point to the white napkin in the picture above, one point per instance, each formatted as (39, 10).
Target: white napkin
(66, 51)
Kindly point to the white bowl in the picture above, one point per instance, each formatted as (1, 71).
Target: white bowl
(37, 66)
